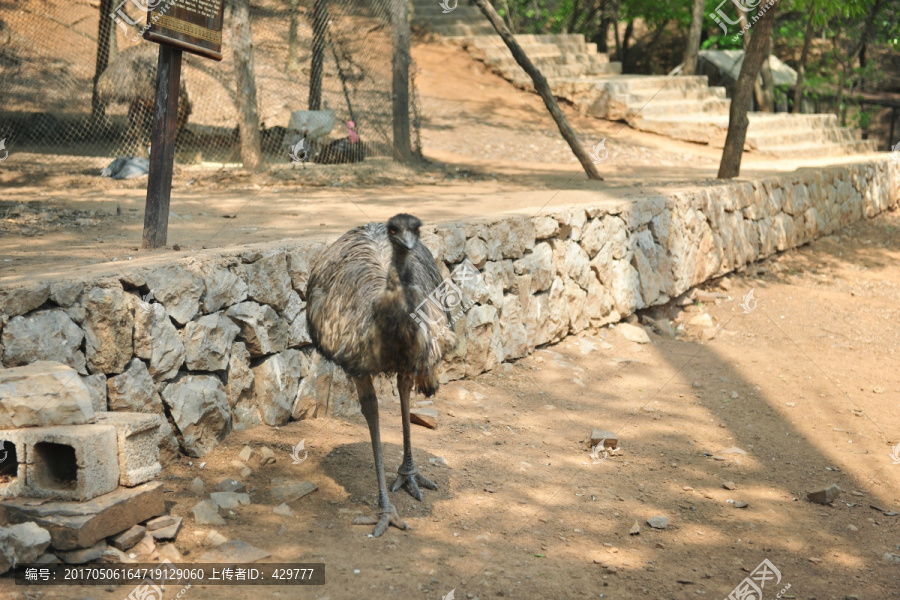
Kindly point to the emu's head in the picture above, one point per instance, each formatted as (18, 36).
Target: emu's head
(403, 231)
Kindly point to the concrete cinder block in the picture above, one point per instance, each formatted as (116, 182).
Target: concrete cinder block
(71, 462)
(138, 439)
(12, 463)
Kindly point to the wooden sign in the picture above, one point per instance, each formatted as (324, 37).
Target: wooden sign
(194, 26)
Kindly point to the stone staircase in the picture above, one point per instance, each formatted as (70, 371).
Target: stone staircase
(683, 107)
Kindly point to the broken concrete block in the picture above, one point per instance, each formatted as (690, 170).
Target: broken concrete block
(825, 496)
(82, 524)
(83, 555)
(72, 462)
(22, 543)
(609, 439)
(426, 417)
(169, 532)
(43, 394)
(128, 538)
(138, 439)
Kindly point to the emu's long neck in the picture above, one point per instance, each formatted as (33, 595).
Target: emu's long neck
(392, 308)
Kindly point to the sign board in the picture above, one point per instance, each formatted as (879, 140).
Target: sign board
(191, 25)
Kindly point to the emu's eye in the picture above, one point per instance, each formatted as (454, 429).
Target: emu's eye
(416, 231)
(392, 231)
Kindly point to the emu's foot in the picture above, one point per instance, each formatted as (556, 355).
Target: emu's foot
(389, 516)
(410, 478)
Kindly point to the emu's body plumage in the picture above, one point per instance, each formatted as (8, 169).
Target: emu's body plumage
(360, 296)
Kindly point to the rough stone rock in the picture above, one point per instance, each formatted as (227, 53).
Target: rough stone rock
(20, 300)
(283, 510)
(21, 544)
(600, 304)
(452, 242)
(43, 394)
(108, 326)
(539, 264)
(197, 485)
(200, 410)
(229, 500)
(214, 539)
(545, 227)
(288, 492)
(275, 382)
(262, 330)
(128, 538)
(157, 340)
(577, 265)
(658, 522)
(134, 390)
(83, 555)
(46, 335)
(82, 524)
(299, 264)
(207, 513)
(268, 281)
(96, 385)
(239, 375)
(608, 235)
(208, 341)
(553, 317)
(65, 293)
(235, 551)
(576, 301)
(178, 290)
(115, 556)
(246, 415)
(824, 496)
(231, 485)
(633, 333)
(222, 289)
(512, 328)
(476, 251)
(426, 417)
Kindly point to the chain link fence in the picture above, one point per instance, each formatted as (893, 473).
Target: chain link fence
(57, 96)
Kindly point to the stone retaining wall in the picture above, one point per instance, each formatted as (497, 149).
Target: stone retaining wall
(222, 342)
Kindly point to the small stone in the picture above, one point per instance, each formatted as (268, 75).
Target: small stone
(633, 333)
(246, 472)
(197, 486)
(128, 538)
(229, 500)
(207, 513)
(891, 557)
(438, 461)
(729, 485)
(266, 456)
(168, 552)
(145, 546)
(635, 529)
(426, 417)
(170, 532)
(231, 485)
(741, 504)
(246, 453)
(609, 439)
(658, 522)
(83, 555)
(734, 395)
(852, 527)
(214, 539)
(160, 522)
(701, 320)
(292, 491)
(115, 556)
(824, 496)
(284, 510)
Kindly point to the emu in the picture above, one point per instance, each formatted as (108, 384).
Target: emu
(360, 299)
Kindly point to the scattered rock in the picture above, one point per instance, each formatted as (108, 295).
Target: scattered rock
(168, 552)
(159, 522)
(235, 551)
(22, 543)
(266, 456)
(741, 504)
(83, 555)
(229, 500)
(635, 529)
(292, 491)
(284, 510)
(245, 455)
(214, 539)
(169, 532)
(729, 485)
(206, 513)
(633, 333)
(824, 496)
(231, 485)
(658, 522)
(128, 538)
(702, 320)
(438, 461)
(197, 486)
(609, 439)
(115, 556)
(426, 417)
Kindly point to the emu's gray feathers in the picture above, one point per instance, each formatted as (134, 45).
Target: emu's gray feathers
(358, 310)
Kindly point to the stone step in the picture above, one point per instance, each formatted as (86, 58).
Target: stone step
(782, 121)
(541, 52)
(675, 108)
(465, 31)
(562, 86)
(773, 139)
(823, 149)
(552, 72)
(631, 84)
(494, 47)
(463, 14)
(558, 60)
(640, 98)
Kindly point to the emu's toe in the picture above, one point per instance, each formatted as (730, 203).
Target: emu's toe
(410, 479)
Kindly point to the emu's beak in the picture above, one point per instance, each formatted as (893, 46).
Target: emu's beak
(408, 239)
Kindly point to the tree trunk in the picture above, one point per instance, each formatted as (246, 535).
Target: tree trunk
(730, 166)
(400, 82)
(245, 77)
(540, 85)
(623, 54)
(768, 83)
(804, 55)
(292, 62)
(573, 20)
(319, 24)
(692, 49)
(106, 36)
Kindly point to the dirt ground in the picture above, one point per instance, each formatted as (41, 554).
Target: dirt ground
(798, 394)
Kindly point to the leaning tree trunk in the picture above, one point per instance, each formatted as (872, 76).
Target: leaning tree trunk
(730, 166)
(804, 55)
(767, 90)
(319, 25)
(245, 77)
(106, 36)
(692, 50)
(292, 62)
(400, 82)
(540, 85)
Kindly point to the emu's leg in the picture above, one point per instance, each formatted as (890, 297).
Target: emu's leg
(369, 405)
(408, 475)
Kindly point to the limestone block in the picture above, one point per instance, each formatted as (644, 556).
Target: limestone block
(43, 335)
(43, 394)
